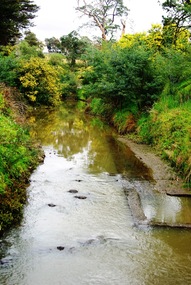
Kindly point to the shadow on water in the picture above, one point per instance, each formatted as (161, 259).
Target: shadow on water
(77, 226)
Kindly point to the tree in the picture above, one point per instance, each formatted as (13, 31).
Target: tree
(53, 44)
(178, 17)
(73, 47)
(122, 78)
(103, 14)
(24, 50)
(15, 15)
(32, 40)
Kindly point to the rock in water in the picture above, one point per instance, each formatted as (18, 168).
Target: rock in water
(73, 191)
(80, 197)
(60, 248)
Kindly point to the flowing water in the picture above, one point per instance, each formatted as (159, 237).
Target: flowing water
(77, 227)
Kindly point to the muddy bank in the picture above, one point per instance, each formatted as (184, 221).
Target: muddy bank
(165, 178)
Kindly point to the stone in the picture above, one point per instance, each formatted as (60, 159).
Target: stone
(60, 248)
(80, 197)
(73, 191)
(51, 205)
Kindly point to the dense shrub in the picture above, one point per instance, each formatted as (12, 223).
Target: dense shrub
(18, 156)
(39, 81)
(122, 77)
(8, 69)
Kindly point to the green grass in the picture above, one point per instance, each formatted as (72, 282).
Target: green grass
(168, 128)
(18, 156)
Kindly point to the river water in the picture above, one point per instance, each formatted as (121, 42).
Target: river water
(89, 237)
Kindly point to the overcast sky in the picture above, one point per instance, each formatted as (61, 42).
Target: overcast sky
(57, 18)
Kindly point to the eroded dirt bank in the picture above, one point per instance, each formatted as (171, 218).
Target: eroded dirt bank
(166, 180)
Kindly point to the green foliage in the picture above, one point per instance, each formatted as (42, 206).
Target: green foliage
(15, 15)
(68, 78)
(13, 156)
(168, 129)
(2, 103)
(124, 121)
(53, 45)
(97, 106)
(176, 23)
(32, 40)
(18, 157)
(171, 65)
(69, 83)
(122, 77)
(57, 59)
(24, 50)
(72, 47)
(39, 81)
(8, 69)
(178, 12)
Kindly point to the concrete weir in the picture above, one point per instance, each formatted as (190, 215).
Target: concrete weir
(139, 217)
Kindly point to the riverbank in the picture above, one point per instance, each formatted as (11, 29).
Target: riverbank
(19, 156)
(166, 179)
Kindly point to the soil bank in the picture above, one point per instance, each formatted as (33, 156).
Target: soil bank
(166, 179)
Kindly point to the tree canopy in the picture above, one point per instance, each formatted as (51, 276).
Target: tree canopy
(15, 15)
(32, 39)
(178, 16)
(178, 12)
(103, 14)
(73, 47)
(53, 44)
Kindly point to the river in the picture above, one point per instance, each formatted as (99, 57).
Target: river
(77, 227)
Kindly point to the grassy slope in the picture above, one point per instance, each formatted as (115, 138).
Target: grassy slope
(18, 157)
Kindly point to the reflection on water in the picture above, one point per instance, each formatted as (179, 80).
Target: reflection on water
(167, 207)
(66, 240)
(72, 134)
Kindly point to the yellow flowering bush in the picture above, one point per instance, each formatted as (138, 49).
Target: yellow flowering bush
(39, 81)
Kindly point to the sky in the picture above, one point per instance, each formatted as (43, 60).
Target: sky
(57, 18)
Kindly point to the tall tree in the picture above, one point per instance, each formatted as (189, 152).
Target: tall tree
(53, 44)
(32, 39)
(178, 16)
(73, 47)
(15, 15)
(103, 14)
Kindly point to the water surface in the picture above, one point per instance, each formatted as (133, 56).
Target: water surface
(71, 241)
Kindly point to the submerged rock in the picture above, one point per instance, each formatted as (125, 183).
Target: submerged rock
(73, 191)
(60, 248)
(80, 197)
(5, 260)
(51, 205)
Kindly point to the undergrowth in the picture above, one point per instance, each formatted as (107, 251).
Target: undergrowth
(168, 128)
(18, 157)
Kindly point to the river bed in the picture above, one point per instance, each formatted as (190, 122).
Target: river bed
(77, 227)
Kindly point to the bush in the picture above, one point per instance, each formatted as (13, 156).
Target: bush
(8, 69)
(69, 83)
(122, 77)
(124, 121)
(170, 132)
(39, 82)
(18, 157)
